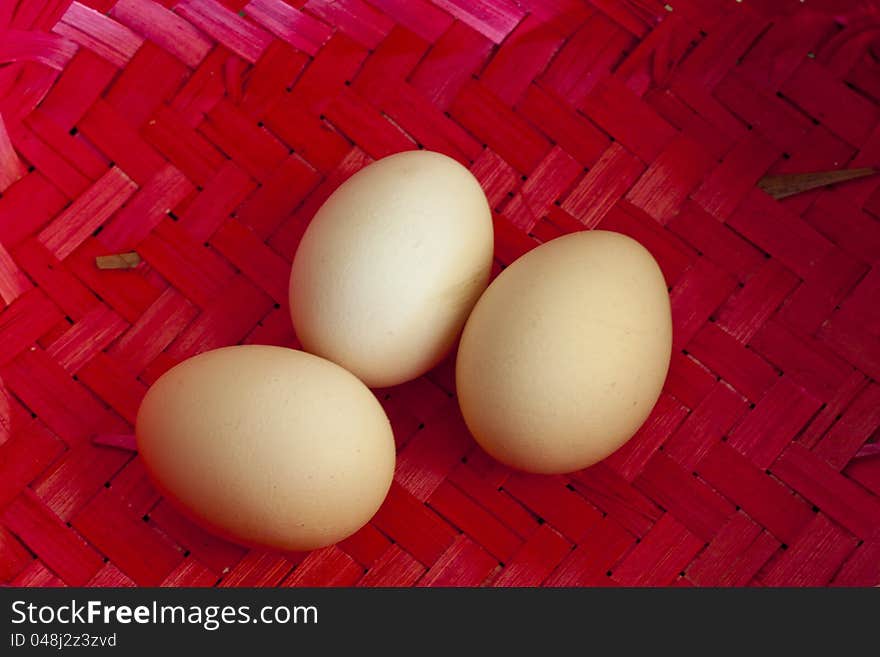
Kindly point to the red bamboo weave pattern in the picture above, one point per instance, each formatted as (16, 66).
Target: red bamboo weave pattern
(203, 134)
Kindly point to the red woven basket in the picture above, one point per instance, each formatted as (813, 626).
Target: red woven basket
(195, 139)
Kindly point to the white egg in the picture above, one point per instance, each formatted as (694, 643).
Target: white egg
(391, 265)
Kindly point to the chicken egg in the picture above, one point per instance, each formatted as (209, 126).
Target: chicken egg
(390, 266)
(564, 356)
(267, 446)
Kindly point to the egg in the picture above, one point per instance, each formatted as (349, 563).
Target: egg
(564, 356)
(390, 266)
(267, 446)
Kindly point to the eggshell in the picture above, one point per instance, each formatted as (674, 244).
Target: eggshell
(267, 446)
(565, 354)
(391, 265)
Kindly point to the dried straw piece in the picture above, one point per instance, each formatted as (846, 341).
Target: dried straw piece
(789, 184)
(128, 260)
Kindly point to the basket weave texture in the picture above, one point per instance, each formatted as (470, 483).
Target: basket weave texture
(204, 134)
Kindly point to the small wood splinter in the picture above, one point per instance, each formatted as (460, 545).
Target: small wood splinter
(788, 184)
(128, 260)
